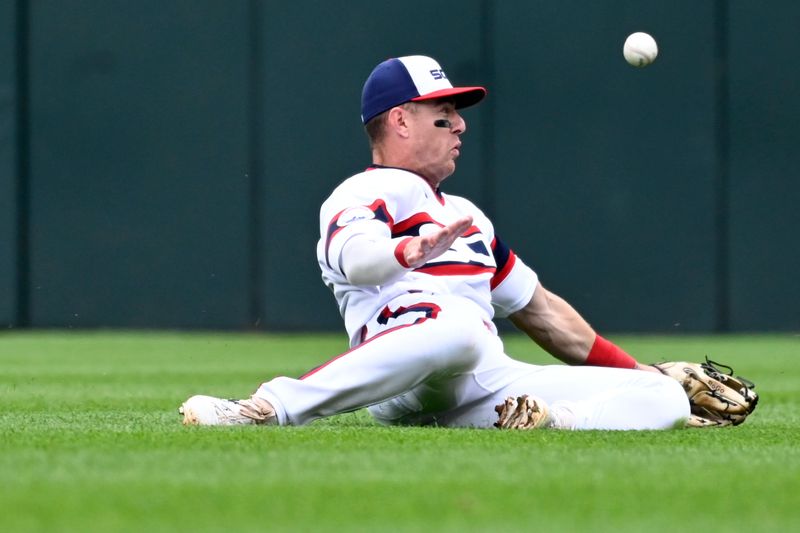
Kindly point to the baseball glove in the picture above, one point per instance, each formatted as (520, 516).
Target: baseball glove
(716, 398)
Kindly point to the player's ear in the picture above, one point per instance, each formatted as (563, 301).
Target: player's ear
(397, 121)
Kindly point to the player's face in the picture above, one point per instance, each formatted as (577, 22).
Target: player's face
(436, 148)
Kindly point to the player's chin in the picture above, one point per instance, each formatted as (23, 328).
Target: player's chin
(449, 168)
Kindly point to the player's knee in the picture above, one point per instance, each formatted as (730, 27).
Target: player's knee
(463, 338)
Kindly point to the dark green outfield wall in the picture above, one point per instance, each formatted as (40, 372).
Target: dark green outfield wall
(8, 169)
(764, 191)
(164, 164)
(139, 163)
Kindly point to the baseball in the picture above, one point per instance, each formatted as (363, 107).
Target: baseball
(640, 49)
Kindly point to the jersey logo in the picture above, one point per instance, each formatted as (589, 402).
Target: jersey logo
(354, 214)
(427, 310)
(376, 210)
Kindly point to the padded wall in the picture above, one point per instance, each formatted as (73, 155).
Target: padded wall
(764, 162)
(139, 176)
(8, 170)
(176, 153)
(605, 172)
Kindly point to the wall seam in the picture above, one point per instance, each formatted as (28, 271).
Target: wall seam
(255, 168)
(22, 165)
(722, 175)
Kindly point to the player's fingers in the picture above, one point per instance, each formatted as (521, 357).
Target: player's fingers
(448, 234)
(426, 247)
(461, 225)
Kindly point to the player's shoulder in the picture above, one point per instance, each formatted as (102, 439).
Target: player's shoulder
(463, 204)
(466, 206)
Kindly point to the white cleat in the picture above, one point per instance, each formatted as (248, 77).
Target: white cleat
(209, 411)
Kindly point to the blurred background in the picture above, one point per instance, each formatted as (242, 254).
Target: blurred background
(162, 162)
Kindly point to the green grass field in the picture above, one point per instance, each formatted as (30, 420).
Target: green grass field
(90, 440)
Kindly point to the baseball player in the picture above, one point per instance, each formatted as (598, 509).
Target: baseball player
(419, 276)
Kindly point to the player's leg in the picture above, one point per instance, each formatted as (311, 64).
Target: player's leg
(581, 397)
(430, 401)
(413, 340)
(577, 397)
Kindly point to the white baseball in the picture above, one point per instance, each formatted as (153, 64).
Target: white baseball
(640, 49)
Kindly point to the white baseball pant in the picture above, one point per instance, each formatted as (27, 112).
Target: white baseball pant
(434, 359)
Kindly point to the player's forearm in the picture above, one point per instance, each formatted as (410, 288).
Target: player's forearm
(370, 260)
(555, 326)
(558, 328)
(570, 345)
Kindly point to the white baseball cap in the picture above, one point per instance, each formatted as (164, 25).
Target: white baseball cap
(411, 79)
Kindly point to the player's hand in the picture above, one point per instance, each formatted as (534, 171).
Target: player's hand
(422, 249)
(646, 368)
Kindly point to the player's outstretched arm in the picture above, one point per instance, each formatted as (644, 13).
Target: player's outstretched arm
(555, 326)
(369, 259)
(558, 328)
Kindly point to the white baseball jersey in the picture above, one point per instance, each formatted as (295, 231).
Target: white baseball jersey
(424, 350)
(394, 203)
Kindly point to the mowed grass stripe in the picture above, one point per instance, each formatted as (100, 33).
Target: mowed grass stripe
(90, 441)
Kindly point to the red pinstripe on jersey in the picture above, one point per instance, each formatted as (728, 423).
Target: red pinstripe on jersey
(411, 225)
(472, 230)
